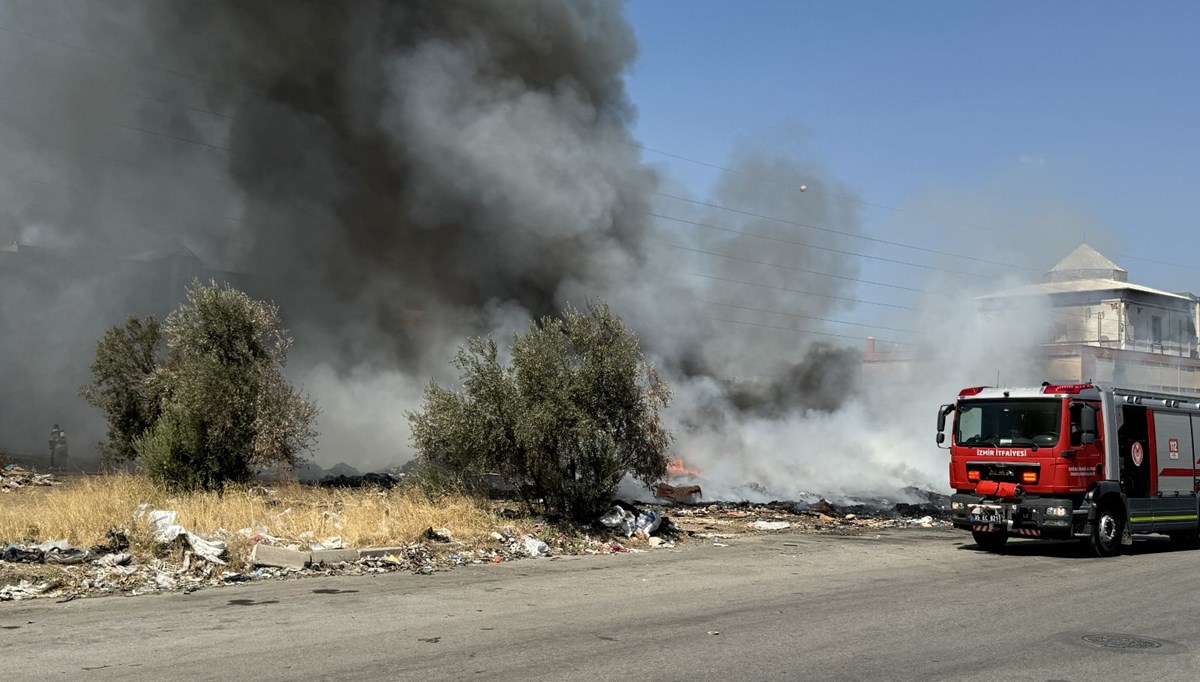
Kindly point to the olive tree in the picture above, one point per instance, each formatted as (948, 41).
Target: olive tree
(215, 405)
(577, 410)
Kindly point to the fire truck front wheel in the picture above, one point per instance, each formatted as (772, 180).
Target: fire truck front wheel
(1107, 529)
(990, 541)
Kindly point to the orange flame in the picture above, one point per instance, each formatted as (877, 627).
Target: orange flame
(676, 467)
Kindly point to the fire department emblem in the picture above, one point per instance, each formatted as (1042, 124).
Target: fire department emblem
(1136, 454)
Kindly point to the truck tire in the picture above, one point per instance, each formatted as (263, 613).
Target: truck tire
(1186, 540)
(990, 541)
(1107, 529)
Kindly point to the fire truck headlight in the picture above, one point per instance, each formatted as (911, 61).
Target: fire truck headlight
(1057, 511)
(958, 506)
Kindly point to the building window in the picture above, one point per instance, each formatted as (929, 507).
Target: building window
(1156, 330)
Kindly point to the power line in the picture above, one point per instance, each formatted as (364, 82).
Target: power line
(811, 317)
(102, 195)
(814, 246)
(155, 133)
(797, 291)
(181, 230)
(806, 331)
(32, 142)
(840, 232)
(794, 269)
(896, 209)
(793, 186)
(120, 60)
(1047, 285)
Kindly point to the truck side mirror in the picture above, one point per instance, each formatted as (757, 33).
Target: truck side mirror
(942, 412)
(1088, 418)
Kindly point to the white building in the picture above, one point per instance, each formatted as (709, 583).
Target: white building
(1106, 329)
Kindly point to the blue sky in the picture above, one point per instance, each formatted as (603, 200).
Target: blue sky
(965, 110)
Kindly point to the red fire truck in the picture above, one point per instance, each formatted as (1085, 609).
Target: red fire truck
(1073, 461)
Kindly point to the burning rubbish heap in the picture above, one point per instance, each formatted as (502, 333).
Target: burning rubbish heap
(722, 520)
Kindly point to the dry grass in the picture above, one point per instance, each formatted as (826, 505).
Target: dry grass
(83, 510)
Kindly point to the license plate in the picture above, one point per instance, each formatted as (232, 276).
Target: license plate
(985, 515)
(984, 518)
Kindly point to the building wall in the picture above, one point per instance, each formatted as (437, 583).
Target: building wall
(1160, 329)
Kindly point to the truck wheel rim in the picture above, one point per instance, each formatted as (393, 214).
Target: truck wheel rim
(1108, 529)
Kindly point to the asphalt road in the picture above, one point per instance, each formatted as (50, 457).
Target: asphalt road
(902, 605)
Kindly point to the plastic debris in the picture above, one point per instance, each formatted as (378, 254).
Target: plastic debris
(14, 477)
(536, 548)
(647, 523)
(22, 590)
(620, 520)
(20, 555)
(771, 525)
(166, 531)
(112, 560)
(335, 542)
(68, 556)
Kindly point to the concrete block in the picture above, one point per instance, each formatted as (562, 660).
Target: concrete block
(279, 557)
(380, 552)
(333, 556)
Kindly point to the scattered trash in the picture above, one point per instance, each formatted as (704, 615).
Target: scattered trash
(335, 542)
(54, 544)
(68, 556)
(714, 632)
(108, 568)
(771, 525)
(166, 531)
(647, 523)
(620, 520)
(823, 506)
(374, 480)
(682, 494)
(14, 477)
(536, 548)
(112, 560)
(22, 590)
(19, 555)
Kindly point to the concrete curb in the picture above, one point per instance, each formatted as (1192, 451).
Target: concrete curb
(281, 557)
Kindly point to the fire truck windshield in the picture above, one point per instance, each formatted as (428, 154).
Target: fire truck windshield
(1008, 422)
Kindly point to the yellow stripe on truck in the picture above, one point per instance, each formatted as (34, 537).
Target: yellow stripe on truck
(1177, 517)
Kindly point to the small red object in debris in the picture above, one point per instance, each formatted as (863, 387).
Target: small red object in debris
(683, 494)
(496, 560)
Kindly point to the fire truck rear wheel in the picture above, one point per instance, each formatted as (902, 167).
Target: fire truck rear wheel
(990, 541)
(1186, 540)
(1107, 530)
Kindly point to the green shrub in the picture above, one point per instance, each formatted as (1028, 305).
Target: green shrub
(214, 407)
(577, 411)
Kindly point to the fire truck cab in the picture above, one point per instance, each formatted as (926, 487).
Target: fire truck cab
(1072, 461)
